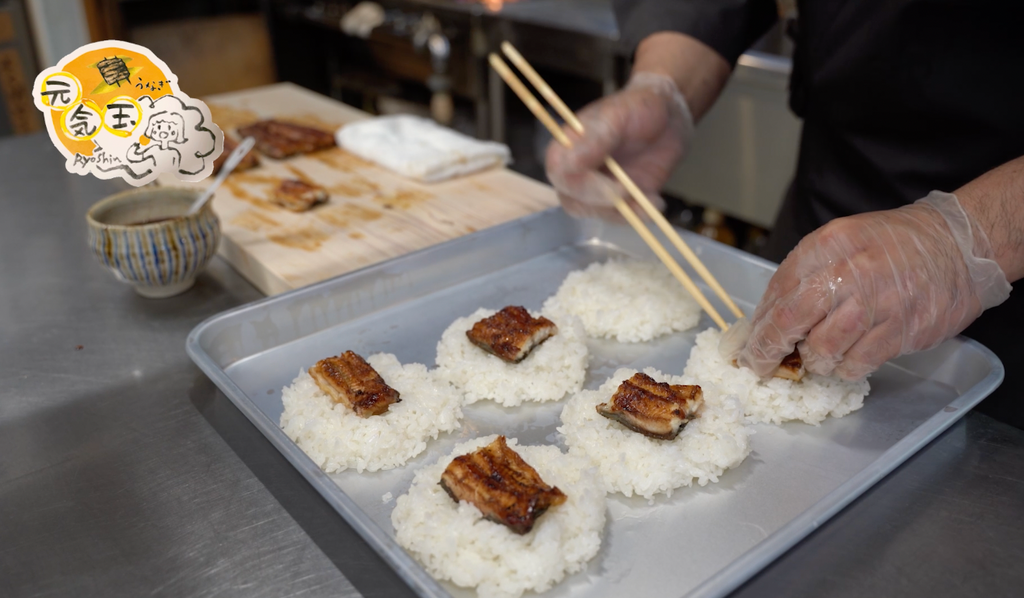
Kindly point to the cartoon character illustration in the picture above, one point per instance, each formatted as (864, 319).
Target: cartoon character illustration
(165, 131)
(179, 140)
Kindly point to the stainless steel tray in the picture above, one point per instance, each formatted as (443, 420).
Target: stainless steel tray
(701, 541)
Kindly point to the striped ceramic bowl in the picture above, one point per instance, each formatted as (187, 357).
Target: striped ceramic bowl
(145, 238)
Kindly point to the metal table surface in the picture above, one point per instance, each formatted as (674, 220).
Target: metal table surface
(124, 472)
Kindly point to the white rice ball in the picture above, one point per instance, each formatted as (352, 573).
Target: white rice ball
(551, 370)
(632, 463)
(336, 439)
(778, 400)
(455, 542)
(628, 301)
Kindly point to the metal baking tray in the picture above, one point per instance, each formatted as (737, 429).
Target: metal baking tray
(795, 479)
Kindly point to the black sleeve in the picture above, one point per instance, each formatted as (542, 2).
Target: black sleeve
(727, 26)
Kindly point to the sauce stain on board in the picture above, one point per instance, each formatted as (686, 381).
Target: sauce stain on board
(299, 174)
(356, 235)
(402, 199)
(239, 193)
(347, 214)
(248, 177)
(228, 118)
(254, 221)
(307, 238)
(339, 159)
(356, 186)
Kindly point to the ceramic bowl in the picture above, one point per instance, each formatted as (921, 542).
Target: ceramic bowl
(146, 240)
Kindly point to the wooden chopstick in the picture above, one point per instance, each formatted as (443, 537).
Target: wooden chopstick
(631, 217)
(639, 196)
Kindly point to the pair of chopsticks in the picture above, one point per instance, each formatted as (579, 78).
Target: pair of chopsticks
(556, 131)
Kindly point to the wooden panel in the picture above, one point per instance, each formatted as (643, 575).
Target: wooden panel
(373, 214)
(17, 69)
(212, 55)
(103, 18)
(16, 93)
(6, 26)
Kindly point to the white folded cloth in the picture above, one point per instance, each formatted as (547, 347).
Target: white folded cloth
(363, 19)
(420, 148)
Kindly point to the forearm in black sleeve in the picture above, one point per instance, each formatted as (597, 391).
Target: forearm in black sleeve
(727, 26)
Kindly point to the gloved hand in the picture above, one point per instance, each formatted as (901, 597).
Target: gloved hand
(646, 127)
(864, 289)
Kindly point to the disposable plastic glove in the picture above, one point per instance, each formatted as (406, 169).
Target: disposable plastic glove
(646, 127)
(864, 289)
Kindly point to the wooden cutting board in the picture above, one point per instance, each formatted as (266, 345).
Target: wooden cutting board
(373, 214)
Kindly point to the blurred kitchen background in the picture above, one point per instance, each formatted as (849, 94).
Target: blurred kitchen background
(428, 57)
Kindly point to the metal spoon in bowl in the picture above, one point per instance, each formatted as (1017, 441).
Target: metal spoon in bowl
(229, 165)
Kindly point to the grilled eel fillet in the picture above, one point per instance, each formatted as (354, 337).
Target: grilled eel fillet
(348, 379)
(654, 409)
(511, 333)
(298, 196)
(279, 140)
(791, 368)
(496, 480)
(250, 160)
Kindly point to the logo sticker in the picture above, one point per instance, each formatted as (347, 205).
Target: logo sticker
(114, 110)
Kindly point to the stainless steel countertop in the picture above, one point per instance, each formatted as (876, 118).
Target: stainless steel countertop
(124, 472)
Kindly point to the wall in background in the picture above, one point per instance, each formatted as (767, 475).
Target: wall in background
(59, 28)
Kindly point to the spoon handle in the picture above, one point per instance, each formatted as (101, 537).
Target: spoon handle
(229, 165)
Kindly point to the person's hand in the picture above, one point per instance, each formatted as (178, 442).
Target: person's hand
(864, 289)
(646, 127)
